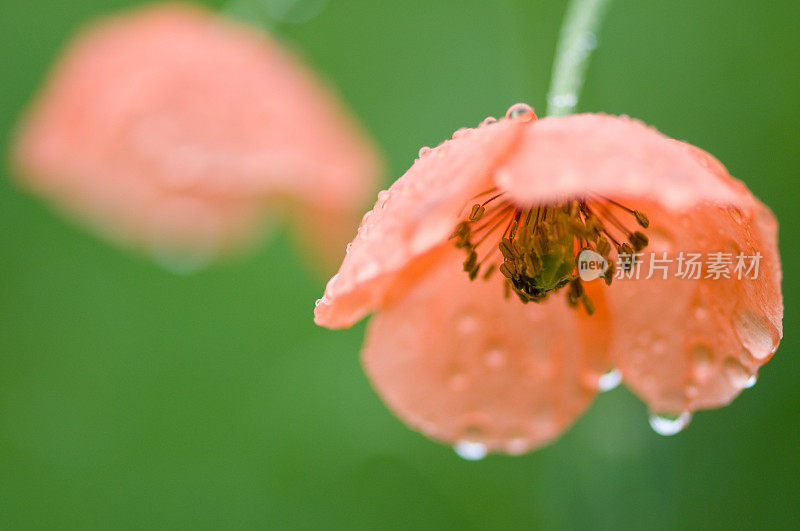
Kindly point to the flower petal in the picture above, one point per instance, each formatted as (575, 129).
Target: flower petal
(458, 361)
(610, 155)
(416, 214)
(685, 344)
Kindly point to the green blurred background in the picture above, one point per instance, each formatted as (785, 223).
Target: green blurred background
(131, 397)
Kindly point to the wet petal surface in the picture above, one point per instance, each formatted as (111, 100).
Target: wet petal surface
(682, 343)
(459, 362)
(415, 215)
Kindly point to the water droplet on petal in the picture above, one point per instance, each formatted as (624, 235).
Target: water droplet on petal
(699, 311)
(495, 358)
(733, 248)
(692, 391)
(750, 382)
(467, 323)
(471, 451)
(332, 288)
(644, 338)
(670, 424)
(756, 333)
(367, 270)
(701, 357)
(424, 150)
(520, 110)
(737, 374)
(461, 131)
(428, 427)
(660, 241)
(489, 120)
(659, 345)
(736, 215)
(516, 446)
(609, 380)
(459, 381)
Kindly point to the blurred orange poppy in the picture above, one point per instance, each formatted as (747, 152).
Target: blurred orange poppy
(172, 129)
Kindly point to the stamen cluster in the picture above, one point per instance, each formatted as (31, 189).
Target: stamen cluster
(538, 246)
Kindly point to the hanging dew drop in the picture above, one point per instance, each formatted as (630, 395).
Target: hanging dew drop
(469, 450)
(669, 424)
(609, 380)
(737, 374)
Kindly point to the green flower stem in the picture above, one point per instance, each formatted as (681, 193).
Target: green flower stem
(577, 40)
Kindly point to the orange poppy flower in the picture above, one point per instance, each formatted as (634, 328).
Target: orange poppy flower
(171, 128)
(485, 335)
